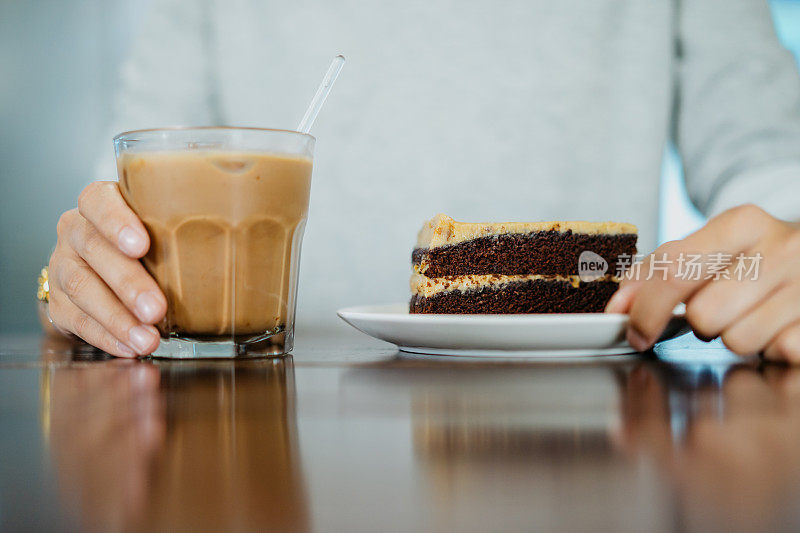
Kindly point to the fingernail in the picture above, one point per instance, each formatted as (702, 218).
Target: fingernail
(131, 241)
(637, 340)
(141, 338)
(617, 302)
(149, 307)
(614, 304)
(124, 350)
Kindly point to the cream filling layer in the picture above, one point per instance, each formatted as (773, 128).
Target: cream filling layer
(442, 230)
(427, 287)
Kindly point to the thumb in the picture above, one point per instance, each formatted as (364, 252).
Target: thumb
(622, 300)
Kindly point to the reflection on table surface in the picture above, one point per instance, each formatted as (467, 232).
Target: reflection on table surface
(170, 445)
(406, 443)
(726, 440)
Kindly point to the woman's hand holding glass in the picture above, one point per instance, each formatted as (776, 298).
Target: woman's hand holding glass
(99, 290)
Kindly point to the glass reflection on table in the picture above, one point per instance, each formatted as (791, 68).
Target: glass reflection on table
(175, 445)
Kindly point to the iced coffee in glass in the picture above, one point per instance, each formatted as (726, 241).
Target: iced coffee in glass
(225, 209)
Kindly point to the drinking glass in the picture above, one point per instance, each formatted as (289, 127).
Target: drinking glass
(225, 209)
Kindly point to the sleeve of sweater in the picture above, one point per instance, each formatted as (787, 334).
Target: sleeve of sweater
(738, 108)
(167, 78)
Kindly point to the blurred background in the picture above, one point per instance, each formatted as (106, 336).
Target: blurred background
(58, 74)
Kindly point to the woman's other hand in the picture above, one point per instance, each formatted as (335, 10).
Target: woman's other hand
(755, 313)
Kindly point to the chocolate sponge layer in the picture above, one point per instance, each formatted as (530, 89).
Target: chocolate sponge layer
(542, 252)
(533, 296)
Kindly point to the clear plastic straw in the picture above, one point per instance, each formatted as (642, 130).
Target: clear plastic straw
(322, 93)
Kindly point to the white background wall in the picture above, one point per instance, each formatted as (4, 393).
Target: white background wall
(57, 77)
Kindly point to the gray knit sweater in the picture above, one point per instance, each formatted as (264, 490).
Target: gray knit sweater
(502, 110)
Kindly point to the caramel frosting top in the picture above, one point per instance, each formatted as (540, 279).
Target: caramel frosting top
(442, 230)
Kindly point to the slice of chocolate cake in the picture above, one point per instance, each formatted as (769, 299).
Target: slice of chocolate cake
(518, 267)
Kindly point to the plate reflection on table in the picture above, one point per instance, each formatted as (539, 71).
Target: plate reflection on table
(709, 449)
(172, 445)
(513, 446)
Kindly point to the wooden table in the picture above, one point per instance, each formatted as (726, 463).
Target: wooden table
(350, 435)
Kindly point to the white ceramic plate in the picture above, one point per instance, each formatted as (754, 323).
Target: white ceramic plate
(549, 336)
